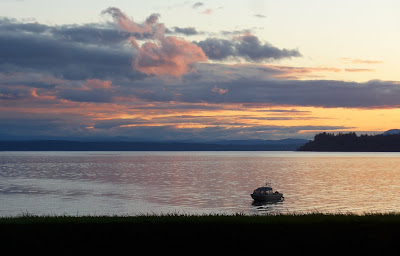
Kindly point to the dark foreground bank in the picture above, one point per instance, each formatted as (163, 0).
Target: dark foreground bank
(199, 234)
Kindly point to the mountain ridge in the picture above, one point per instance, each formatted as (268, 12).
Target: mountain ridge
(233, 145)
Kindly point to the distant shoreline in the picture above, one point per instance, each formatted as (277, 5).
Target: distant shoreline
(350, 142)
(64, 145)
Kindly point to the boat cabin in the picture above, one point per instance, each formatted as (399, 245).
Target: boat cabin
(263, 191)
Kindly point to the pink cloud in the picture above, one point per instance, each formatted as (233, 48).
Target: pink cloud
(169, 56)
(161, 55)
(208, 11)
(221, 91)
(127, 24)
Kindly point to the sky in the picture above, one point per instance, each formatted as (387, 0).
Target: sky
(197, 70)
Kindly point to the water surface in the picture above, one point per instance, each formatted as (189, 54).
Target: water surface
(127, 183)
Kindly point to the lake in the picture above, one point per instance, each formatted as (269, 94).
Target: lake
(131, 183)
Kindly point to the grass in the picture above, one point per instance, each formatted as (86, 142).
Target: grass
(371, 232)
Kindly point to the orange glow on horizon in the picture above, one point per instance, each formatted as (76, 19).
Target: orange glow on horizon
(181, 116)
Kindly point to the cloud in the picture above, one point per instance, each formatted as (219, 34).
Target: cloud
(197, 5)
(246, 46)
(91, 33)
(260, 16)
(98, 84)
(49, 52)
(108, 78)
(27, 125)
(360, 61)
(359, 70)
(207, 11)
(94, 90)
(189, 31)
(150, 26)
(101, 51)
(217, 90)
(16, 92)
(124, 49)
(291, 72)
(170, 56)
(162, 55)
(252, 85)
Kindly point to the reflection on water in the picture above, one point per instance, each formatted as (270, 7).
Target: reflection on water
(196, 182)
(266, 207)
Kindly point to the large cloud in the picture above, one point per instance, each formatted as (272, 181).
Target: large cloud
(170, 56)
(163, 55)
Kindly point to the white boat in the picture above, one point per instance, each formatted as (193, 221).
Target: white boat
(266, 194)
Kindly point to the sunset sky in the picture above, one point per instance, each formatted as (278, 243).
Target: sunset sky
(197, 70)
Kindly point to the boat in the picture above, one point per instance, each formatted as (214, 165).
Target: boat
(266, 194)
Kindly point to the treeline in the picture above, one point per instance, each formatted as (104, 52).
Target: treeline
(350, 142)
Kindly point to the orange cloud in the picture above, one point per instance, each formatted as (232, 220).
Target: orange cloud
(359, 61)
(359, 70)
(289, 72)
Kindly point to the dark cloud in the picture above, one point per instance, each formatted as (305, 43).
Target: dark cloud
(26, 52)
(92, 33)
(231, 33)
(13, 25)
(189, 31)
(247, 47)
(20, 125)
(197, 5)
(95, 95)
(248, 85)
(260, 16)
(218, 49)
(15, 92)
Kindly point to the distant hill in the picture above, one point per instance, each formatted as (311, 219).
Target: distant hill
(350, 142)
(392, 131)
(63, 145)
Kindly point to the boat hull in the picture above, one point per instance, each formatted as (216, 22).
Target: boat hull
(267, 198)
